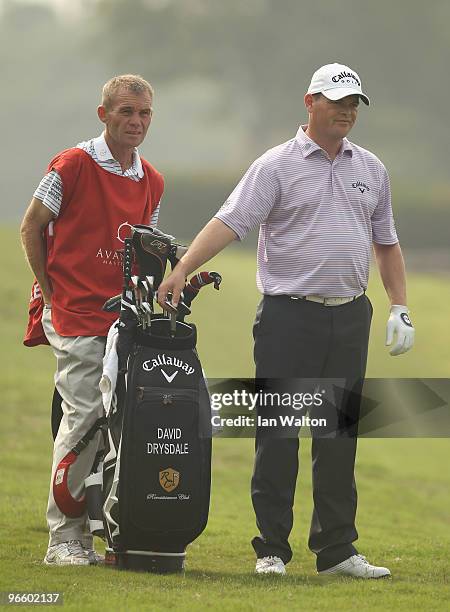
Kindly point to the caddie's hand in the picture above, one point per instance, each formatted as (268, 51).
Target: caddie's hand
(173, 284)
(399, 326)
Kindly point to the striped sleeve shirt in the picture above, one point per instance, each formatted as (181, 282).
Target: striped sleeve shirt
(50, 189)
(317, 218)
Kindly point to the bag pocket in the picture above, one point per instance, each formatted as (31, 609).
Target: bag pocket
(163, 460)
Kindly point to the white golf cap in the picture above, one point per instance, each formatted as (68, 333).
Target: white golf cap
(335, 81)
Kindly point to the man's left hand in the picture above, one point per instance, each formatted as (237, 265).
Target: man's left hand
(399, 326)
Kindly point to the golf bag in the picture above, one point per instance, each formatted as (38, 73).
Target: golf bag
(156, 475)
(157, 469)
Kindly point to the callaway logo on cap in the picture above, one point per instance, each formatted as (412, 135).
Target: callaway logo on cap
(335, 81)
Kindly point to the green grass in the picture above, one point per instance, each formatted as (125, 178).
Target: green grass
(404, 493)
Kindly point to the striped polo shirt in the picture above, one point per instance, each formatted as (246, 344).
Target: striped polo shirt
(317, 217)
(50, 189)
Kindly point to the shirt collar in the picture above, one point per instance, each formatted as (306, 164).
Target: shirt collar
(308, 146)
(103, 153)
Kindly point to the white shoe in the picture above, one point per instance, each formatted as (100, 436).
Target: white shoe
(358, 567)
(66, 553)
(94, 557)
(270, 565)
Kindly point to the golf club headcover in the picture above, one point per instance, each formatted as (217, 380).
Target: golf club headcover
(71, 507)
(197, 282)
(152, 248)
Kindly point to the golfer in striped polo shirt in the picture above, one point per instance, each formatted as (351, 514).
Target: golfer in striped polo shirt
(321, 203)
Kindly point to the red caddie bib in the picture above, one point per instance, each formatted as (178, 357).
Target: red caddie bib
(84, 261)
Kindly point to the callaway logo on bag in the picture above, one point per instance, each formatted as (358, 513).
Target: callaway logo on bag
(165, 360)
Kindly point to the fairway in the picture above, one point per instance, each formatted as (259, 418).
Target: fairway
(403, 485)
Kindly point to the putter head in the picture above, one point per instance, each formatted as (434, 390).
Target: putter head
(171, 309)
(181, 310)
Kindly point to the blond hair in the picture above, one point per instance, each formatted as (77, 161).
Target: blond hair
(132, 82)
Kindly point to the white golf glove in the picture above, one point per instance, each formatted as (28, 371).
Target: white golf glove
(399, 326)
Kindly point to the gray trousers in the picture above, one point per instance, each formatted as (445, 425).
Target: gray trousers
(301, 339)
(78, 372)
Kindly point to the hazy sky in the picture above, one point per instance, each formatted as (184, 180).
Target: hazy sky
(66, 8)
(73, 8)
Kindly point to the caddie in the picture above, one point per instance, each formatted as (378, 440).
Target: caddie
(73, 233)
(321, 203)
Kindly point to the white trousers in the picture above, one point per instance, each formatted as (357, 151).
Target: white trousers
(78, 373)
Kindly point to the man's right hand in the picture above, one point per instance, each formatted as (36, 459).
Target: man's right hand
(173, 284)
